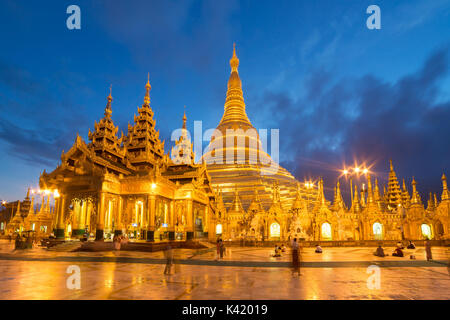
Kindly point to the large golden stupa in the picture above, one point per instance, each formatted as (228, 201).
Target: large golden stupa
(237, 161)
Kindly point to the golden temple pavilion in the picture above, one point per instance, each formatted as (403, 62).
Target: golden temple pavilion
(129, 185)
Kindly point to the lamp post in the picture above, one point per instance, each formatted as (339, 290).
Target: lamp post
(356, 171)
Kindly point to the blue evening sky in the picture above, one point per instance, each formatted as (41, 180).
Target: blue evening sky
(337, 91)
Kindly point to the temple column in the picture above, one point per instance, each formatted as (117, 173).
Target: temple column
(189, 220)
(60, 227)
(119, 223)
(206, 222)
(100, 217)
(88, 214)
(151, 208)
(171, 221)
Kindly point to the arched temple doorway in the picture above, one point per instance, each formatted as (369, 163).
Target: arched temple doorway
(377, 229)
(426, 231)
(326, 231)
(275, 230)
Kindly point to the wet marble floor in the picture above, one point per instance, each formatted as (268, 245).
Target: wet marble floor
(42, 274)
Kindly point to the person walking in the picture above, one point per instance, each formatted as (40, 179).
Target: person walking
(221, 248)
(295, 257)
(169, 259)
(428, 250)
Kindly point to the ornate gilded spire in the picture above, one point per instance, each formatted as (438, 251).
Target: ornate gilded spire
(363, 196)
(338, 200)
(148, 87)
(445, 194)
(356, 206)
(415, 195)
(320, 195)
(370, 196)
(406, 199)
(108, 109)
(234, 61)
(430, 205)
(376, 195)
(256, 205)
(297, 204)
(236, 206)
(394, 195)
(234, 115)
(184, 118)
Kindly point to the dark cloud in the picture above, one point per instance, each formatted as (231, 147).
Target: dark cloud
(160, 32)
(367, 119)
(35, 123)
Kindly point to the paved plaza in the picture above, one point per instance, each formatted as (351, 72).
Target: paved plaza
(244, 273)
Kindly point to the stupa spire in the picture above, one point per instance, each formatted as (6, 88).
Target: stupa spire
(370, 196)
(445, 194)
(338, 200)
(415, 195)
(394, 195)
(148, 87)
(234, 109)
(108, 108)
(236, 205)
(356, 207)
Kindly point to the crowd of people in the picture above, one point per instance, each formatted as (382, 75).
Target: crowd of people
(399, 250)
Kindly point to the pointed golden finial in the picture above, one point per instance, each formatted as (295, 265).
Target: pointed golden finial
(390, 164)
(108, 108)
(445, 193)
(184, 118)
(415, 199)
(148, 87)
(234, 61)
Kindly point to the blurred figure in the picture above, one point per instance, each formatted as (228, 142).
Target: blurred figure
(221, 249)
(398, 253)
(218, 249)
(18, 242)
(428, 249)
(277, 252)
(400, 245)
(295, 257)
(283, 248)
(411, 245)
(169, 259)
(379, 252)
(318, 249)
(117, 240)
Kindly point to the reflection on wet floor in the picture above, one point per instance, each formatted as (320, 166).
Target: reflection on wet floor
(47, 279)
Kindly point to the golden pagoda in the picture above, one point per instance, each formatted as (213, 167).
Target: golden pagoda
(236, 159)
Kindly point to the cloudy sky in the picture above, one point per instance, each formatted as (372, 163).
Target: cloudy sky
(339, 93)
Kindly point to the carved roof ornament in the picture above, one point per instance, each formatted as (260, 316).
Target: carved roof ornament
(183, 151)
(142, 143)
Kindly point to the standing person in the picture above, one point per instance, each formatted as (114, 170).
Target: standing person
(221, 248)
(295, 257)
(169, 259)
(218, 249)
(428, 250)
(117, 239)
